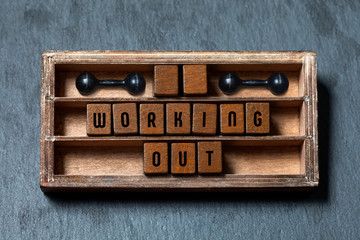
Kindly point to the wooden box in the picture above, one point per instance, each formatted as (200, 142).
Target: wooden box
(287, 158)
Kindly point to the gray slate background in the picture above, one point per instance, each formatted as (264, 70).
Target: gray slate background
(331, 28)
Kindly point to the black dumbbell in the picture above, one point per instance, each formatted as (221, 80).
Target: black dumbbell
(277, 83)
(134, 83)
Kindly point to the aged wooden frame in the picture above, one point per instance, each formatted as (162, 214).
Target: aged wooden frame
(304, 62)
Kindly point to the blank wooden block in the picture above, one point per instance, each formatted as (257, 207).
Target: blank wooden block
(125, 118)
(183, 158)
(195, 79)
(204, 119)
(257, 118)
(166, 80)
(98, 119)
(178, 119)
(209, 157)
(232, 119)
(156, 158)
(152, 119)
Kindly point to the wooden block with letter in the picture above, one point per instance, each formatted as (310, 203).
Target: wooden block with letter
(178, 119)
(257, 118)
(209, 157)
(152, 119)
(125, 118)
(204, 119)
(232, 120)
(183, 158)
(98, 119)
(166, 80)
(195, 80)
(156, 158)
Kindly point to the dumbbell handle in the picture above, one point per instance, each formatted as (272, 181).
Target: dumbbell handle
(254, 83)
(110, 82)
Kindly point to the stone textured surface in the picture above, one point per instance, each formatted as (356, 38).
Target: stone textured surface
(329, 27)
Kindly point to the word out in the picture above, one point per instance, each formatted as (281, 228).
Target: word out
(184, 158)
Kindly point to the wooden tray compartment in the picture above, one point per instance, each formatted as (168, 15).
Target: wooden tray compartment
(70, 160)
(126, 157)
(66, 76)
(70, 118)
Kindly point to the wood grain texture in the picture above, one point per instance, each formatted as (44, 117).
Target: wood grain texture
(262, 160)
(125, 118)
(156, 158)
(178, 118)
(232, 120)
(183, 158)
(98, 119)
(105, 160)
(257, 118)
(194, 80)
(209, 157)
(166, 80)
(152, 119)
(204, 119)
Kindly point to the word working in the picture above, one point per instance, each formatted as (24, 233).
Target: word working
(178, 119)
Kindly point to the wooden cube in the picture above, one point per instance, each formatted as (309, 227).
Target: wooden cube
(257, 118)
(152, 119)
(166, 80)
(195, 79)
(125, 118)
(98, 119)
(204, 119)
(232, 119)
(178, 119)
(156, 158)
(209, 157)
(183, 158)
